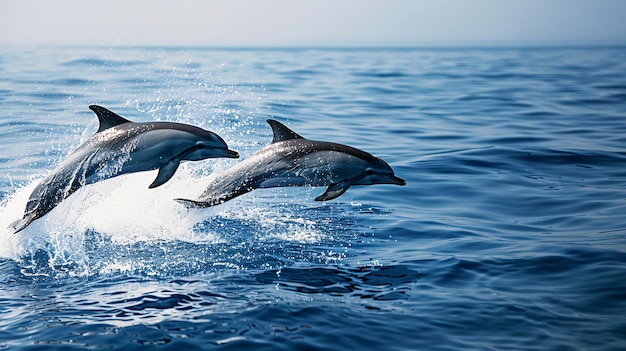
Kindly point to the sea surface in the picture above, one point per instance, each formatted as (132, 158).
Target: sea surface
(509, 235)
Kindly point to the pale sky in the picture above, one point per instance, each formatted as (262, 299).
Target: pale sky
(313, 22)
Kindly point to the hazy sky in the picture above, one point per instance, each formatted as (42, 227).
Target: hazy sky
(313, 22)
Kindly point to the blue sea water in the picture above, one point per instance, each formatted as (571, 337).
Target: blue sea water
(509, 235)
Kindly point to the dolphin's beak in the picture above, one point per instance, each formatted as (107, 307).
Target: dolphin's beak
(230, 153)
(397, 180)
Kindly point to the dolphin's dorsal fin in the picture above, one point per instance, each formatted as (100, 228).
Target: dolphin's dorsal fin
(107, 118)
(282, 132)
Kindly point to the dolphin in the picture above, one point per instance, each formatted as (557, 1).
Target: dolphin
(119, 147)
(291, 160)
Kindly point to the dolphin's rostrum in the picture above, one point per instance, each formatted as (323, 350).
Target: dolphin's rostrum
(119, 147)
(291, 160)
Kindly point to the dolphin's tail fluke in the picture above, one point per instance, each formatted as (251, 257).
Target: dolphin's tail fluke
(196, 204)
(21, 224)
(210, 199)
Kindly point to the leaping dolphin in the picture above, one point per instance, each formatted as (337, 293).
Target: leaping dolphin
(291, 160)
(119, 147)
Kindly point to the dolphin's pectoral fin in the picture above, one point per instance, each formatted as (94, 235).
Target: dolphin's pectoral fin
(282, 181)
(333, 191)
(165, 173)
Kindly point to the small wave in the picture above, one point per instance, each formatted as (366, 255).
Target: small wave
(540, 113)
(615, 100)
(505, 158)
(605, 86)
(374, 74)
(51, 95)
(86, 62)
(72, 82)
(369, 282)
(101, 62)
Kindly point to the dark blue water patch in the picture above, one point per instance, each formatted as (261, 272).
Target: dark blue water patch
(72, 82)
(381, 74)
(148, 82)
(86, 62)
(32, 132)
(377, 283)
(476, 161)
(432, 230)
(295, 325)
(440, 76)
(491, 97)
(508, 159)
(577, 132)
(593, 101)
(51, 95)
(617, 97)
(382, 91)
(544, 270)
(573, 283)
(516, 139)
(385, 105)
(606, 86)
(443, 136)
(540, 113)
(150, 301)
(303, 73)
(506, 76)
(10, 271)
(267, 328)
(578, 68)
(18, 124)
(583, 158)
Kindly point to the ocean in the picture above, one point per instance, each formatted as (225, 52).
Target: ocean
(509, 235)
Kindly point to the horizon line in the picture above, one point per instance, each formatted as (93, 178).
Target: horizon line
(607, 45)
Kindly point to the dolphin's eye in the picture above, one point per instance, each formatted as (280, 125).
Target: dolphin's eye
(369, 172)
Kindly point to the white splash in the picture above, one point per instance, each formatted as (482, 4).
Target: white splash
(123, 208)
(11, 210)
(127, 211)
